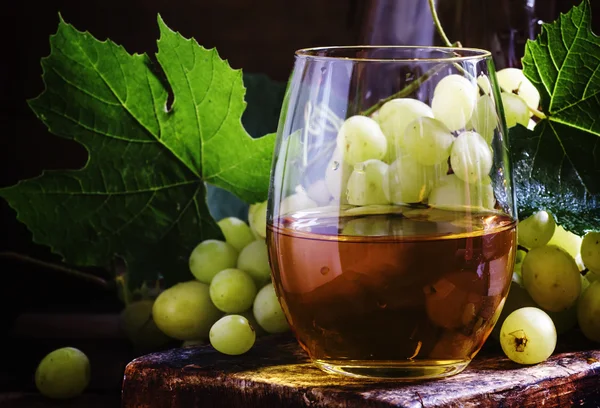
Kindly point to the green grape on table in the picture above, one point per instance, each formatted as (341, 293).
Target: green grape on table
(590, 251)
(536, 230)
(471, 157)
(454, 100)
(428, 140)
(360, 139)
(254, 260)
(210, 257)
(268, 311)
(249, 315)
(394, 117)
(528, 336)
(551, 277)
(485, 118)
(588, 312)
(63, 373)
(408, 181)
(257, 218)
(513, 81)
(232, 335)
(185, 311)
(366, 183)
(515, 110)
(237, 233)
(453, 193)
(232, 290)
(137, 324)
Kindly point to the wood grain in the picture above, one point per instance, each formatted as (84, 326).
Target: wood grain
(277, 373)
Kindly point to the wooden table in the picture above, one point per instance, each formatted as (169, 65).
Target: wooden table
(277, 373)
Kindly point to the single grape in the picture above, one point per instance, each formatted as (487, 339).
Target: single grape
(568, 241)
(394, 117)
(63, 373)
(296, 202)
(520, 255)
(588, 312)
(237, 233)
(513, 81)
(485, 119)
(185, 311)
(249, 315)
(515, 110)
(210, 257)
(592, 277)
(137, 324)
(453, 193)
(536, 230)
(454, 100)
(365, 185)
(484, 84)
(268, 311)
(408, 181)
(590, 251)
(528, 336)
(428, 140)
(257, 218)
(337, 174)
(471, 157)
(254, 260)
(232, 290)
(232, 335)
(551, 277)
(360, 139)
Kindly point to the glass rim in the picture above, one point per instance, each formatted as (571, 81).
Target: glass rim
(312, 53)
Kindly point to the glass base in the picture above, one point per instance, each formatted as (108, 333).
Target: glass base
(397, 370)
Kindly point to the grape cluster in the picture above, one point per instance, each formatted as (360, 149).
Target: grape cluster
(555, 287)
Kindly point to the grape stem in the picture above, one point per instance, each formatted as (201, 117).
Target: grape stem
(438, 24)
(538, 114)
(68, 271)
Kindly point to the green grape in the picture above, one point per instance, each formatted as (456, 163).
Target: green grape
(408, 181)
(536, 230)
(268, 311)
(360, 139)
(237, 233)
(185, 311)
(590, 251)
(471, 157)
(296, 202)
(528, 336)
(63, 373)
(520, 256)
(428, 140)
(254, 260)
(210, 257)
(485, 118)
(515, 110)
(365, 185)
(337, 174)
(512, 80)
(257, 218)
(318, 192)
(551, 277)
(592, 276)
(249, 315)
(484, 83)
(567, 241)
(394, 117)
(453, 193)
(232, 335)
(588, 312)
(232, 291)
(454, 100)
(137, 324)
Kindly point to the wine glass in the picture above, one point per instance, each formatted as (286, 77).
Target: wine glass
(391, 215)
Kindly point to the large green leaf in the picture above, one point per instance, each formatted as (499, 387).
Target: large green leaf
(557, 166)
(141, 196)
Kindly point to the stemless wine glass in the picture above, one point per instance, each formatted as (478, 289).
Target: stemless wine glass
(391, 216)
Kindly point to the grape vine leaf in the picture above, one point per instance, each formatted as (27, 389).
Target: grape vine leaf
(557, 165)
(155, 133)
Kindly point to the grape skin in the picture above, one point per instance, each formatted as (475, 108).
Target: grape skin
(236, 232)
(528, 336)
(210, 257)
(588, 312)
(63, 373)
(471, 157)
(408, 181)
(515, 110)
(254, 260)
(453, 193)
(232, 291)
(551, 277)
(485, 118)
(536, 230)
(512, 80)
(232, 335)
(185, 311)
(268, 311)
(136, 322)
(428, 140)
(365, 185)
(454, 100)
(257, 218)
(360, 139)
(590, 251)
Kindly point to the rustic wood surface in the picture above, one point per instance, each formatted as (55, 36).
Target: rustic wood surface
(277, 373)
